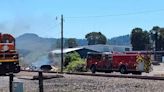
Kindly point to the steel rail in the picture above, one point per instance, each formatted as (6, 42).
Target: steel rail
(106, 75)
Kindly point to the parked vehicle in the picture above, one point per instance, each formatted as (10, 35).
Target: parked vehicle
(119, 62)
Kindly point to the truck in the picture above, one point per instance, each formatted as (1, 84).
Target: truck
(119, 62)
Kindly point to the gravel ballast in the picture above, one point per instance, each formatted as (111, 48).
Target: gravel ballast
(78, 83)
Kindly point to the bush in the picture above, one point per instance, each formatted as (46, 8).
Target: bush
(73, 63)
(74, 56)
(76, 66)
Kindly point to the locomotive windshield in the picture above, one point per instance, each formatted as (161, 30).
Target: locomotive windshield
(7, 39)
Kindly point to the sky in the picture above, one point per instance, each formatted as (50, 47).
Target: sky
(110, 17)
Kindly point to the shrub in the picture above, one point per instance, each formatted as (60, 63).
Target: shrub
(73, 63)
(76, 66)
(74, 56)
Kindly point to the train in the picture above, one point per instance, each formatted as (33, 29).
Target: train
(124, 63)
(9, 57)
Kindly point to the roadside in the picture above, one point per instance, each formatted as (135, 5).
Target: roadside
(158, 70)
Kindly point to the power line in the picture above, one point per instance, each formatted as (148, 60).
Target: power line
(113, 15)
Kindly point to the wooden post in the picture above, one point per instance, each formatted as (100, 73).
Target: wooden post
(40, 77)
(11, 77)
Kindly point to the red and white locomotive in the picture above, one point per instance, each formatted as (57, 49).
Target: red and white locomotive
(9, 58)
(121, 62)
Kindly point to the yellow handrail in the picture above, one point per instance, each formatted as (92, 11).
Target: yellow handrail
(8, 60)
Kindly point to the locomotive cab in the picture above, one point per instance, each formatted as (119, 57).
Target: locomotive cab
(9, 58)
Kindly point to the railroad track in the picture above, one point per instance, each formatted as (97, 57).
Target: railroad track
(106, 75)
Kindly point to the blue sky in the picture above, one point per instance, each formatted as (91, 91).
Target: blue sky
(111, 17)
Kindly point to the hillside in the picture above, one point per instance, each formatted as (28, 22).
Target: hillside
(32, 47)
(120, 40)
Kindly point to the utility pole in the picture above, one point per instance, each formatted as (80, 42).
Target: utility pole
(62, 44)
(155, 48)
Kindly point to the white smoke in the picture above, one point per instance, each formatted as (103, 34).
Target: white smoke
(43, 60)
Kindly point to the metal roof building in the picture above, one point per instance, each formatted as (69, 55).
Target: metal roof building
(97, 48)
(83, 50)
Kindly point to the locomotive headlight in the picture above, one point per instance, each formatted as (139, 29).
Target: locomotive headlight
(5, 48)
(15, 57)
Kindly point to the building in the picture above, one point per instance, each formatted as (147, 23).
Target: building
(156, 56)
(83, 50)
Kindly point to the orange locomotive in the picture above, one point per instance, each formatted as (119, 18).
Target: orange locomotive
(121, 62)
(9, 58)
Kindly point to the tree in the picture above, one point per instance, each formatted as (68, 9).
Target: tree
(95, 38)
(161, 39)
(140, 39)
(70, 43)
(157, 35)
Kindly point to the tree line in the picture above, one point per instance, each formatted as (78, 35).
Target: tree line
(147, 40)
(92, 39)
(140, 39)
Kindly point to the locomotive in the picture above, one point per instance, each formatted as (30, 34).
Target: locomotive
(9, 57)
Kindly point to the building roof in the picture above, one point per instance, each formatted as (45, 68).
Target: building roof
(66, 50)
(97, 48)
